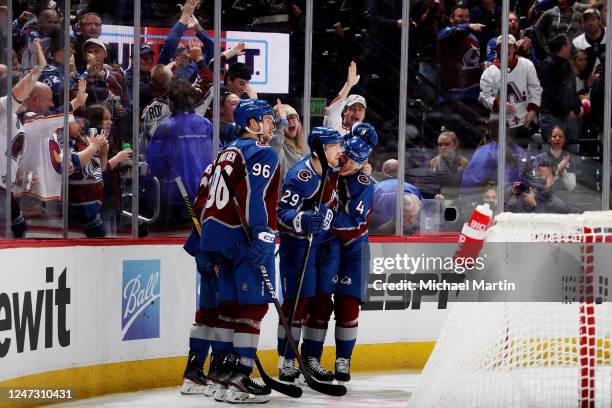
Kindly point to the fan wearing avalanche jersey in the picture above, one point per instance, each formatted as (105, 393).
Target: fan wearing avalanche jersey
(251, 168)
(298, 219)
(350, 226)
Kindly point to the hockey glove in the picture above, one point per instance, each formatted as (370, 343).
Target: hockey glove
(309, 222)
(204, 263)
(262, 247)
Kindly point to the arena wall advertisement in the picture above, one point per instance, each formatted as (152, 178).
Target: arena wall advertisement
(267, 54)
(71, 311)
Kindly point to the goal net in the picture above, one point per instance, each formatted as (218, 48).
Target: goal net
(519, 354)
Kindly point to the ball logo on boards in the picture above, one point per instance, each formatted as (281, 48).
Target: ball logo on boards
(21, 316)
(140, 299)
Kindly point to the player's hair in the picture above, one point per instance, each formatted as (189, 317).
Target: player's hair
(557, 42)
(237, 70)
(182, 95)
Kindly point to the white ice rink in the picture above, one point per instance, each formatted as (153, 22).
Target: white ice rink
(384, 390)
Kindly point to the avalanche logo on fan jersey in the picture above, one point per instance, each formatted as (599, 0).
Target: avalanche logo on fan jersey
(514, 93)
(140, 298)
(55, 155)
(304, 175)
(17, 145)
(471, 58)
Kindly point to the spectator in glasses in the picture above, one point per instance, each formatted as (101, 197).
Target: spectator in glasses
(450, 163)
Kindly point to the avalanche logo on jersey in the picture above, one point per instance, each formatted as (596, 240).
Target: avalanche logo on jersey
(140, 299)
(514, 93)
(363, 179)
(55, 155)
(17, 145)
(93, 170)
(471, 59)
(304, 175)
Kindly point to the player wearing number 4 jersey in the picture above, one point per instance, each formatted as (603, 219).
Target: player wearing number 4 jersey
(350, 226)
(252, 170)
(297, 219)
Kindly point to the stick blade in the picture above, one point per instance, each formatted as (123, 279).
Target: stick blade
(289, 390)
(292, 391)
(335, 390)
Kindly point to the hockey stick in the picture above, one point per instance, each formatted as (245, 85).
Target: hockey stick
(320, 150)
(287, 389)
(324, 388)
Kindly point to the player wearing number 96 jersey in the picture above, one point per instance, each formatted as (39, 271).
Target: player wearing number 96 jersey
(253, 175)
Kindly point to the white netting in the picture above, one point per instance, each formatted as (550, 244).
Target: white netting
(527, 354)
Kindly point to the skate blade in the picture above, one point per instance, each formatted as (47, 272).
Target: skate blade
(238, 397)
(219, 394)
(192, 388)
(209, 391)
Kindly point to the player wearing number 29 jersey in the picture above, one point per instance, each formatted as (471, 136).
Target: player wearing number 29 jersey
(355, 191)
(298, 217)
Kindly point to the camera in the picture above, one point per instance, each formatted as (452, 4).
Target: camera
(522, 187)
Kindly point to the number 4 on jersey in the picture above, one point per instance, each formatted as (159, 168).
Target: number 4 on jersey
(360, 207)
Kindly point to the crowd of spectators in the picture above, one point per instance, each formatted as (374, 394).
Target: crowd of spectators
(555, 100)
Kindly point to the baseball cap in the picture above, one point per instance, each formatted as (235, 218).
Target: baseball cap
(353, 99)
(146, 49)
(593, 12)
(511, 40)
(95, 41)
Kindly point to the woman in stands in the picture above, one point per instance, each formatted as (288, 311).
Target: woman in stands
(450, 163)
(288, 137)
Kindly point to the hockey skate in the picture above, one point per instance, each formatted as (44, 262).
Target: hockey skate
(343, 367)
(313, 366)
(194, 380)
(219, 375)
(242, 389)
(288, 372)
